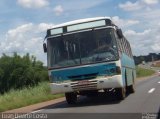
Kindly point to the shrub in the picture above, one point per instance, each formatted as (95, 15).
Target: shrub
(17, 72)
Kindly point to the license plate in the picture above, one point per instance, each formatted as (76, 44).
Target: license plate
(83, 82)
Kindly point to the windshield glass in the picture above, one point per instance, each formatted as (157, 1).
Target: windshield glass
(82, 48)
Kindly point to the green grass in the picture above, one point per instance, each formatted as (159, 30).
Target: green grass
(141, 72)
(20, 98)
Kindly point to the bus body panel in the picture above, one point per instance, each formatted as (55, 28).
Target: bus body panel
(99, 84)
(103, 79)
(83, 72)
(128, 69)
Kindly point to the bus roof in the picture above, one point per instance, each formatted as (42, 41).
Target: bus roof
(80, 21)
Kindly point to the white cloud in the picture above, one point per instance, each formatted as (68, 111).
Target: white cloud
(27, 38)
(33, 3)
(147, 13)
(124, 23)
(144, 42)
(151, 14)
(129, 6)
(43, 26)
(156, 47)
(58, 10)
(131, 32)
(137, 5)
(149, 2)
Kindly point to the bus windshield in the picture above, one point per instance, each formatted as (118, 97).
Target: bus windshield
(81, 48)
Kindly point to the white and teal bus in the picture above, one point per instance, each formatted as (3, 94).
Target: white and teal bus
(87, 56)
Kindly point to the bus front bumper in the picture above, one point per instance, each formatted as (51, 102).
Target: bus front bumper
(93, 84)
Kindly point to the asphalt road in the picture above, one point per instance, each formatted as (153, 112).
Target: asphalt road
(144, 102)
(146, 99)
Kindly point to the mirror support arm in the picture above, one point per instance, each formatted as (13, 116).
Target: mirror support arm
(44, 45)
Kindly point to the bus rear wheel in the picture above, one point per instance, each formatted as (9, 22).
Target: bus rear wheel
(131, 88)
(71, 98)
(121, 93)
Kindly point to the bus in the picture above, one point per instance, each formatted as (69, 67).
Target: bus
(89, 56)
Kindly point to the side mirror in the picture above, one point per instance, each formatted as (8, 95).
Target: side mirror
(119, 33)
(45, 47)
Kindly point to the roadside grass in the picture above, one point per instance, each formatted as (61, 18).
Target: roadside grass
(141, 72)
(20, 98)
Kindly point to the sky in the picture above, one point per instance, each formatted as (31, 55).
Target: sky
(23, 23)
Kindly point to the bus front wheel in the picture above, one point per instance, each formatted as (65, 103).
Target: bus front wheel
(121, 93)
(71, 98)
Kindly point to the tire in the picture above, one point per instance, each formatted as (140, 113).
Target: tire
(131, 88)
(71, 98)
(121, 93)
(126, 87)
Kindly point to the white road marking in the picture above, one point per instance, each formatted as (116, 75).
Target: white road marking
(159, 82)
(36, 111)
(151, 90)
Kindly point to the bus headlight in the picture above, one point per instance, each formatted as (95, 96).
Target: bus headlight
(113, 71)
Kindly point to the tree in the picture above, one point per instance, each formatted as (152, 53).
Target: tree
(17, 72)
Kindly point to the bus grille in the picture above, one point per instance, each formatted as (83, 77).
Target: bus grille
(84, 85)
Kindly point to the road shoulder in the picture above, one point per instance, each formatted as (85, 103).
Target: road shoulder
(34, 107)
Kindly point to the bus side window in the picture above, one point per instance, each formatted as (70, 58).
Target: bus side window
(123, 45)
(130, 51)
(118, 42)
(126, 45)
